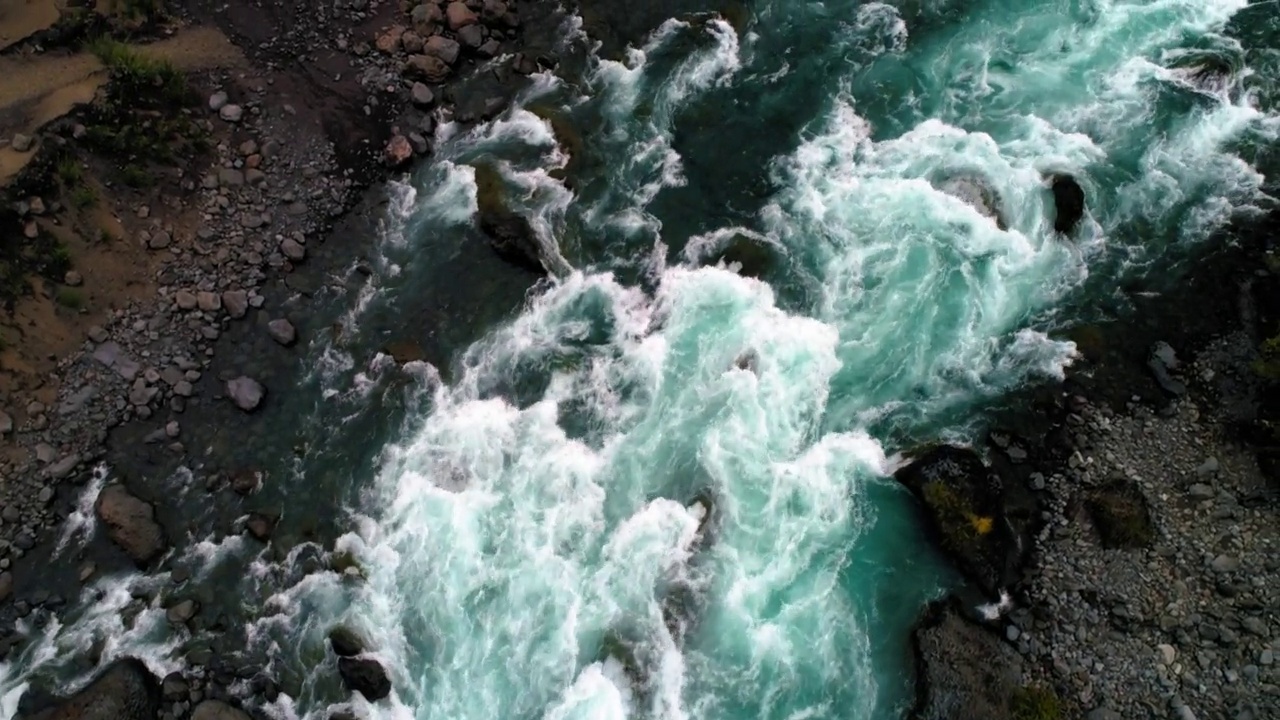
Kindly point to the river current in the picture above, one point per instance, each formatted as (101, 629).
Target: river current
(658, 487)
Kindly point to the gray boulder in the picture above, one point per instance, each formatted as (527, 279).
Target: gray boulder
(246, 393)
(131, 524)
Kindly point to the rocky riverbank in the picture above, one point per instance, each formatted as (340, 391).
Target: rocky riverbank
(1142, 583)
(218, 250)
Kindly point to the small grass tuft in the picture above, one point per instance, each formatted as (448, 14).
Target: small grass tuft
(69, 171)
(70, 298)
(136, 176)
(140, 77)
(84, 197)
(1035, 702)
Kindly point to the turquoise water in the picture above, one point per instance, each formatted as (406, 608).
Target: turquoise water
(533, 529)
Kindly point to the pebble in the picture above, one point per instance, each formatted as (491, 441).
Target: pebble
(217, 101)
(231, 113)
(1225, 564)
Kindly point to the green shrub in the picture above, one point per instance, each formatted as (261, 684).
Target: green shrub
(1119, 511)
(1268, 363)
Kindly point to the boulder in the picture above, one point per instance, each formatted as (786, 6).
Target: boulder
(124, 691)
(282, 331)
(493, 11)
(218, 710)
(510, 234)
(366, 676)
(246, 393)
(471, 36)
(398, 151)
(443, 48)
(426, 18)
(411, 42)
(964, 503)
(978, 193)
(460, 16)
(404, 351)
(292, 249)
(131, 524)
(345, 642)
(749, 256)
(389, 42)
(963, 672)
(427, 67)
(21, 143)
(182, 611)
(422, 95)
(260, 526)
(1068, 203)
(236, 302)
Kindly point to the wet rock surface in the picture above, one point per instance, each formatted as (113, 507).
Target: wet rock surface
(161, 389)
(1149, 589)
(124, 691)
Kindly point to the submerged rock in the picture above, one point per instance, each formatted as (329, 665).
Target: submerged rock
(978, 193)
(510, 234)
(345, 642)
(218, 710)
(260, 526)
(749, 256)
(124, 691)
(366, 676)
(131, 524)
(1068, 202)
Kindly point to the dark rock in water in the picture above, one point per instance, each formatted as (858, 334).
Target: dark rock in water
(182, 611)
(1068, 202)
(964, 502)
(246, 393)
(978, 193)
(1120, 514)
(131, 524)
(345, 642)
(404, 351)
(175, 687)
(750, 257)
(747, 361)
(365, 676)
(260, 526)
(124, 691)
(963, 671)
(343, 714)
(246, 481)
(510, 234)
(218, 710)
